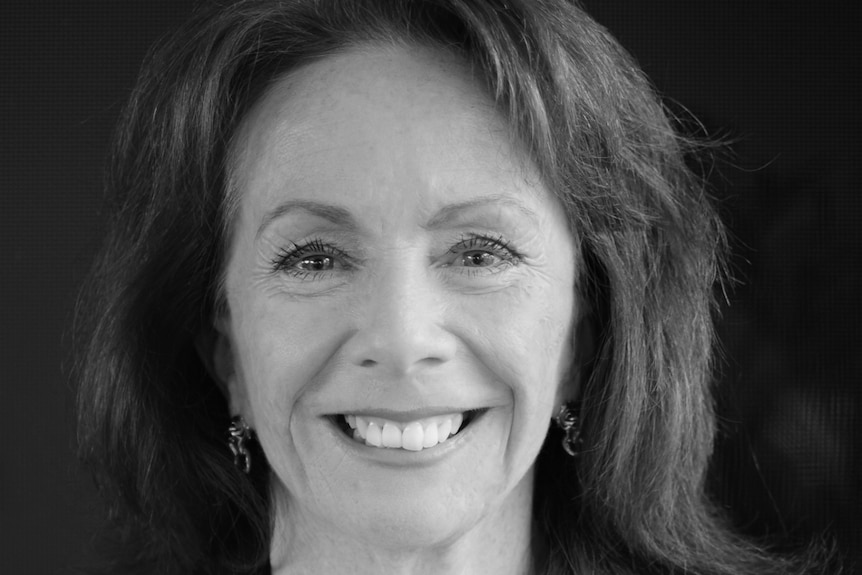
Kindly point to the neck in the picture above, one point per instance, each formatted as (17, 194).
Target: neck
(498, 543)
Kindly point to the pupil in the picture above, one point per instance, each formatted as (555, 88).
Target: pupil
(477, 259)
(317, 264)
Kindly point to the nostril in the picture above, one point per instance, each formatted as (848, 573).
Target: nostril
(368, 363)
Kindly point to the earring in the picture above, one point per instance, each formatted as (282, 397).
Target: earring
(569, 421)
(238, 434)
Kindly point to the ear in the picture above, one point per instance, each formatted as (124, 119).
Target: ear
(583, 346)
(216, 352)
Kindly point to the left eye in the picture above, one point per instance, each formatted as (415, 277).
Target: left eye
(480, 252)
(478, 259)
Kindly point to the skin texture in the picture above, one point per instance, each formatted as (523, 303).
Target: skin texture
(440, 276)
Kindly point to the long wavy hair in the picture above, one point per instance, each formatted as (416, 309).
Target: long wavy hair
(152, 421)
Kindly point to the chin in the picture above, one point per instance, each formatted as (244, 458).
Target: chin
(404, 499)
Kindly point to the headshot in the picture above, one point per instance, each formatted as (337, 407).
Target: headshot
(412, 286)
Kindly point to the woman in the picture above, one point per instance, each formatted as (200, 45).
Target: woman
(362, 255)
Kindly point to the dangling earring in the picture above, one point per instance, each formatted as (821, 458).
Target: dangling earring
(569, 421)
(238, 434)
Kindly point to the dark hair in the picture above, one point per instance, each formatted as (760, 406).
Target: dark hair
(152, 421)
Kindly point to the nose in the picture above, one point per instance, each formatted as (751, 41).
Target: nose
(401, 322)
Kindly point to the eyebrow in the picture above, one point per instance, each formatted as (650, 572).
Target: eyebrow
(450, 212)
(335, 214)
(342, 217)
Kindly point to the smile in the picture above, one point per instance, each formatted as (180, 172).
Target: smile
(411, 435)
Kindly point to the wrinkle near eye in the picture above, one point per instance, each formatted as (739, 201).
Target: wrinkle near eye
(508, 248)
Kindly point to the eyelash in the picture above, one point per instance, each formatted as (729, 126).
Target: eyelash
(495, 244)
(287, 258)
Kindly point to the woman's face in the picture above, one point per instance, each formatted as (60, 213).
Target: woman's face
(397, 266)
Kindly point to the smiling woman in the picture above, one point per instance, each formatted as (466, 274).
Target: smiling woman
(362, 255)
(398, 268)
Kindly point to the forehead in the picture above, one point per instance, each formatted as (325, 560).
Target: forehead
(372, 118)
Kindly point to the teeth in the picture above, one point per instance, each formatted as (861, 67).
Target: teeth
(391, 436)
(373, 436)
(430, 439)
(361, 425)
(412, 436)
(444, 430)
(456, 423)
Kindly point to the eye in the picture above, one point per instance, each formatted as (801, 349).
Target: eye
(479, 259)
(311, 259)
(315, 263)
(482, 252)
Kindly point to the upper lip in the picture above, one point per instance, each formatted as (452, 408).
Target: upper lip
(404, 416)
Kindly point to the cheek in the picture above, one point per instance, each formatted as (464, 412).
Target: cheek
(544, 324)
(526, 333)
(281, 347)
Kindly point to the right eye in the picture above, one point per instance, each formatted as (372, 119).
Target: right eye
(315, 263)
(311, 260)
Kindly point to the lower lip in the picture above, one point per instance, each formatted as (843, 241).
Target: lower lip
(404, 457)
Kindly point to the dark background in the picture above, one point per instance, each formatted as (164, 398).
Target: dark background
(781, 79)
